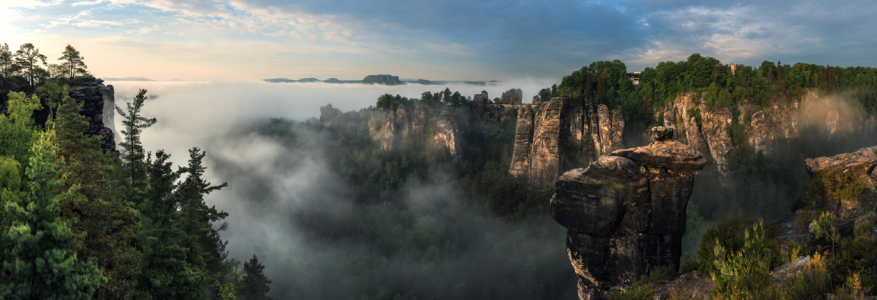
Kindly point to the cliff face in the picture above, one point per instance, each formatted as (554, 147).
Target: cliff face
(389, 126)
(98, 107)
(709, 129)
(561, 131)
(626, 212)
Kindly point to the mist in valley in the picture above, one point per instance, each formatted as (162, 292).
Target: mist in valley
(316, 234)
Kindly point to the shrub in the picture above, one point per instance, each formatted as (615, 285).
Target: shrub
(746, 272)
(640, 290)
(811, 280)
(729, 233)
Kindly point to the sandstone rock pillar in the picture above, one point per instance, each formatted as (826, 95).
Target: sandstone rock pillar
(626, 212)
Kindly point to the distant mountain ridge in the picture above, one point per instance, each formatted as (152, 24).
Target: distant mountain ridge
(385, 79)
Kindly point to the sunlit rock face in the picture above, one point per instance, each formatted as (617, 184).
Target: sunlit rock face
(551, 138)
(98, 107)
(390, 126)
(626, 212)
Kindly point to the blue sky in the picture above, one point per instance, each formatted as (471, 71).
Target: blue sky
(439, 40)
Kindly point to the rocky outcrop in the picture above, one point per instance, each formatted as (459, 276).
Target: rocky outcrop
(562, 131)
(512, 96)
(861, 163)
(708, 129)
(626, 212)
(98, 107)
(523, 141)
(390, 126)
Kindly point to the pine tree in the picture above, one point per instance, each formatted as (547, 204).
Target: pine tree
(6, 61)
(28, 57)
(98, 208)
(255, 284)
(133, 167)
(73, 63)
(206, 248)
(42, 262)
(165, 272)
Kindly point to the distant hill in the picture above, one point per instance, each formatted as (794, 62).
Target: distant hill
(309, 79)
(382, 79)
(128, 79)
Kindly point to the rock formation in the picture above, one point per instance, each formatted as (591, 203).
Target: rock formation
(561, 130)
(98, 107)
(389, 126)
(707, 129)
(512, 96)
(626, 212)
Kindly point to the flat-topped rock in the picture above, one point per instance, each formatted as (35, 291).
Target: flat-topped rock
(861, 162)
(672, 155)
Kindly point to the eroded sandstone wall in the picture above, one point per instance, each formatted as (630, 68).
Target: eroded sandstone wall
(562, 130)
(390, 126)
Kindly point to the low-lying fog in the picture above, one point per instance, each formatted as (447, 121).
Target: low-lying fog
(269, 181)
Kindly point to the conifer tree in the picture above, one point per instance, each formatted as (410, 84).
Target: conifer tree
(73, 63)
(42, 262)
(133, 167)
(98, 208)
(165, 272)
(28, 58)
(206, 248)
(6, 60)
(255, 284)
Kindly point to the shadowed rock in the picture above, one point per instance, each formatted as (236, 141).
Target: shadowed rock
(626, 212)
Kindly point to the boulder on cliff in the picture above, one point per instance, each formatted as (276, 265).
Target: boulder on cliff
(626, 212)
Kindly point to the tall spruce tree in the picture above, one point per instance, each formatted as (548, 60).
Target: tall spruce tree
(165, 271)
(206, 248)
(132, 156)
(98, 208)
(255, 284)
(42, 262)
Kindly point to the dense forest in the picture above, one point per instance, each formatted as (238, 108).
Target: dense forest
(419, 223)
(79, 223)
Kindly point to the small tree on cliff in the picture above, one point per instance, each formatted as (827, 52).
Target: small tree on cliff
(6, 60)
(28, 57)
(73, 63)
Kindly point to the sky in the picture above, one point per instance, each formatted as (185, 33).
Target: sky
(436, 40)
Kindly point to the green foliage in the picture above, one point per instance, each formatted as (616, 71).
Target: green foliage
(831, 186)
(826, 227)
(132, 153)
(51, 93)
(72, 62)
(17, 128)
(98, 208)
(42, 262)
(731, 237)
(640, 290)
(255, 284)
(744, 272)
